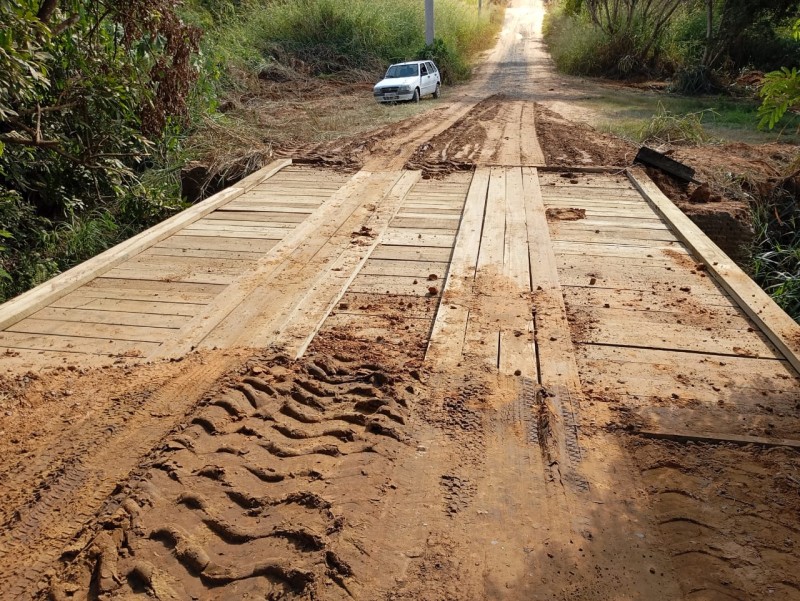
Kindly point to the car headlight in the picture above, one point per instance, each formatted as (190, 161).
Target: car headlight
(404, 89)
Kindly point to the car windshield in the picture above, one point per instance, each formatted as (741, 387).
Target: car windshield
(397, 71)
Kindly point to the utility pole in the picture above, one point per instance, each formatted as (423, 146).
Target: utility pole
(429, 22)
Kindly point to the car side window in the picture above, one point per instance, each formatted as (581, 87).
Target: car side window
(424, 69)
(431, 68)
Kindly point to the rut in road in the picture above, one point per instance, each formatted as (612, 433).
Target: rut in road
(248, 496)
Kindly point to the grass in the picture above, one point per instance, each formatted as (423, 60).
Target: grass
(776, 252)
(630, 114)
(349, 40)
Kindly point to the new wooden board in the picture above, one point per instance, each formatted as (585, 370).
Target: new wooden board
(714, 307)
(138, 307)
(74, 344)
(425, 223)
(225, 244)
(412, 253)
(94, 316)
(115, 284)
(47, 327)
(197, 253)
(263, 216)
(446, 343)
(406, 238)
(421, 270)
(493, 237)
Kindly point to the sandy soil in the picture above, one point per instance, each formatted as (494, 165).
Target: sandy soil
(361, 472)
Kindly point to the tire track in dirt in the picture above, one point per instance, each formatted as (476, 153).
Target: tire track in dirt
(251, 496)
(51, 498)
(726, 516)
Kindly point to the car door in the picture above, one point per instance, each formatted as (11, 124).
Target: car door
(436, 77)
(424, 80)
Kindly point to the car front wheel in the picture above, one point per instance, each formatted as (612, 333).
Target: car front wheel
(415, 98)
(438, 91)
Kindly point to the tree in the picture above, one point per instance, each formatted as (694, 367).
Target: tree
(780, 93)
(85, 85)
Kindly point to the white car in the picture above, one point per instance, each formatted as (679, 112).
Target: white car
(409, 81)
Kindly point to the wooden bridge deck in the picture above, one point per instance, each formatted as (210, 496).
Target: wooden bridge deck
(584, 282)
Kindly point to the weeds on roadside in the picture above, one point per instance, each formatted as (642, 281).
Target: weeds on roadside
(776, 250)
(670, 128)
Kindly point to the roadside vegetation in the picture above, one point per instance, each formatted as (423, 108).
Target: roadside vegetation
(104, 102)
(730, 74)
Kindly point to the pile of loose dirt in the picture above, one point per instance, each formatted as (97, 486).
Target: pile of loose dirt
(459, 146)
(573, 144)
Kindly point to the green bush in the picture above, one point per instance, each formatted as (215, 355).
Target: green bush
(331, 38)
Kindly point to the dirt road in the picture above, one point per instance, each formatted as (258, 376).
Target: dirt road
(474, 379)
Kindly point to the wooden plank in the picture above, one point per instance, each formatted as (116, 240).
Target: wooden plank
(44, 294)
(74, 344)
(276, 191)
(241, 225)
(425, 223)
(719, 438)
(148, 260)
(418, 307)
(621, 235)
(558, 367)
(614, 223)
(47, 327)
(225, 244)
(609, 249)
(412, 253)
(71, 301)
(406, 238)
(781, 329)
(516, 259)
(123, 294)
(264, 216)
(659, 372)
(200, 253)
(713, 307)
(493, 239)
(631, 212)
(530, 151)
(421, 270)
(262, 207)
(381, 284)
(302, 183)
(648, 156)
(705, 318)
(93, 316)
(106, 284)
(173, 276)
(454, 214)
(446, 343)
(273, 234)
(640, 277)
(655, 334)
(653, 262)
